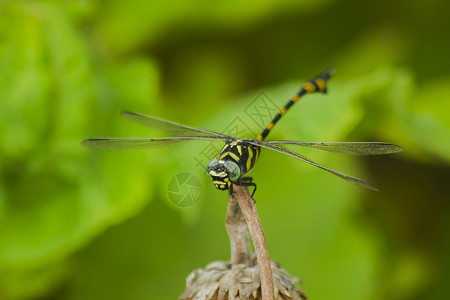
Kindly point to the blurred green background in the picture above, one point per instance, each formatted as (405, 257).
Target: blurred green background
(78, 223)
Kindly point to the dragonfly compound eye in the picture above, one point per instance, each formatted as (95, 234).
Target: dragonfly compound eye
(233, 170)
(212, 165)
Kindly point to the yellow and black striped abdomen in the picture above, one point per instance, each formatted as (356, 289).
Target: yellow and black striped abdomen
(242, 153)
(317, 84)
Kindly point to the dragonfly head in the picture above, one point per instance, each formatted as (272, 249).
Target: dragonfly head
(223, 173)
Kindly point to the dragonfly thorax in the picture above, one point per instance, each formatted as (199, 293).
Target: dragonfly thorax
(223, 173)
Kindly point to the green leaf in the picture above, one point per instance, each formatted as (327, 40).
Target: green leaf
(119, 20)
(57, 195)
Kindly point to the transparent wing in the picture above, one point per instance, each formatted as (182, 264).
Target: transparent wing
(354, 148)
(168, 126)
(307, 160)
(139, 143)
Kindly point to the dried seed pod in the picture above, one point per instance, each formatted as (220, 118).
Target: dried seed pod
(225, 281)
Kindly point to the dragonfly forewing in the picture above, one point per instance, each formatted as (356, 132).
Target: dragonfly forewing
(141, 143)
(168, 126)
(354, 148)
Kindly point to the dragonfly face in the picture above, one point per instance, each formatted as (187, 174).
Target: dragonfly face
(223, 173)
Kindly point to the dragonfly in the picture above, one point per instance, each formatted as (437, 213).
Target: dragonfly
(238, 156)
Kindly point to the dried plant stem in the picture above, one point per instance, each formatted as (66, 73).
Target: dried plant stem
(238, 232)
(248, 208)
(246, 276)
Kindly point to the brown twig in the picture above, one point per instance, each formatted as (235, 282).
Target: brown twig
(238, 232)
(248, 208)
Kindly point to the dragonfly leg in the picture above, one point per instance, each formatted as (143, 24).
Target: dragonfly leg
(247, 181)
(231, 191)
